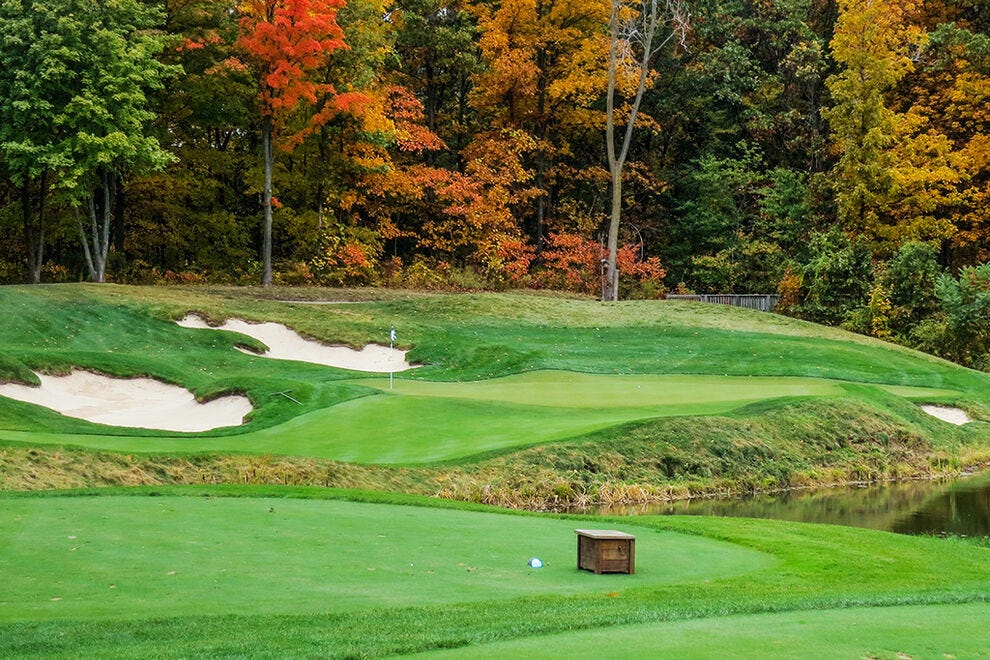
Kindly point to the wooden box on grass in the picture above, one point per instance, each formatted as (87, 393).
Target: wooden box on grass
(606, 551)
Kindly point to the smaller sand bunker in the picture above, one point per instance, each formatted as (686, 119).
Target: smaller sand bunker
(132, 402)
(285, 344)
(948, 414)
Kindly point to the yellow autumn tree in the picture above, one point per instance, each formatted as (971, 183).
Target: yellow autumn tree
(896, 173)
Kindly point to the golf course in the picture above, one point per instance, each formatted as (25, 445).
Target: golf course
(369, 511)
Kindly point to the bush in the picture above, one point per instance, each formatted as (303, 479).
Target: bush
(966, 303)
(837, 279)
(574, 263)
(345, 256)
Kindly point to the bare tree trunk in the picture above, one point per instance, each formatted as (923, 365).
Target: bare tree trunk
(625, 36)
(269, 158)
(96, 242)
(118, 214)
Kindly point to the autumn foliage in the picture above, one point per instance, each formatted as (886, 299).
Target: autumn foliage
(807, 148)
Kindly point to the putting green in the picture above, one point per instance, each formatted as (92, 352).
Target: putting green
(920, 631)
(421, 421)
(131, 557)
(568, 389)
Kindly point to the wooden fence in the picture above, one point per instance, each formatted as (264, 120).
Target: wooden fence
(763, 302)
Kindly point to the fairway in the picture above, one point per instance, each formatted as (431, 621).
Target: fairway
(137, 557)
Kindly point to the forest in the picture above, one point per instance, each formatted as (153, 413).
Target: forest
(835, 152)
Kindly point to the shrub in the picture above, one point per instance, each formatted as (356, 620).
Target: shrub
(966, 303)
(837, 278)
(346, 256)
(574, 263)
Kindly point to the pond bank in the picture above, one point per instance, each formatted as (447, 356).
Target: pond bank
(948, 506)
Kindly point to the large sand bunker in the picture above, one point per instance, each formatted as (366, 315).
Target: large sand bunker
(948, 414)
(285, 344)
(132, 402)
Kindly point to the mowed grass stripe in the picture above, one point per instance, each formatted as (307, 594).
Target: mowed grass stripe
(569, 389)
(118, 557)
(918, 631)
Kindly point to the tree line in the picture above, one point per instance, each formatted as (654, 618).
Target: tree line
(834, 151)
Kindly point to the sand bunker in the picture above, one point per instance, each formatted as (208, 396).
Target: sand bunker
(948, 414)
(284, 344)
(133, 402)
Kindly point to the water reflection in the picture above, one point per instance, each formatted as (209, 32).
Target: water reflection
(918, 507)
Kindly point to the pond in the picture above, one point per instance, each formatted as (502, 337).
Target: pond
(960, 507)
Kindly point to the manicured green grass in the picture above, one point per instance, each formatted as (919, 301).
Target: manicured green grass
(148, 557)
(553, 368)
(894, 633)
(422, 421)
(523, 398)
(578, 401)
(264, 575)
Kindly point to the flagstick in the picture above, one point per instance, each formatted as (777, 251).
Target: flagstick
(391, 342)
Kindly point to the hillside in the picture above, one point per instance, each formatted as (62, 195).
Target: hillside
(520, 399)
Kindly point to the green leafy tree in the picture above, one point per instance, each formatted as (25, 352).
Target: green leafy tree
(196, 214)
(966, 302)
(910, 279)
(837, 279)
(435, 41)
(76, 111)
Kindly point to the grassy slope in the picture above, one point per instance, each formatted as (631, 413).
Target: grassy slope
(656, 363)
(261, 597)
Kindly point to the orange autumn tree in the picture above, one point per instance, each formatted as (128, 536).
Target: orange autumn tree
(545, 70)
(466, 217)
(285, 43)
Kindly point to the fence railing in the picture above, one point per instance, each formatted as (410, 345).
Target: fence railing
(763, 302)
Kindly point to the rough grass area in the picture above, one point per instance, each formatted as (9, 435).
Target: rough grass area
(281, 595)
(765, 447)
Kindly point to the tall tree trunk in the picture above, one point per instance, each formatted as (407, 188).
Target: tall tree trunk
(34, 232)
(96, 241)
(118, 215)
(269, 158)
(642, 33)
(541, 202)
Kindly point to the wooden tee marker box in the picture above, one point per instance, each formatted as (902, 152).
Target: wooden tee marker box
(606, 551)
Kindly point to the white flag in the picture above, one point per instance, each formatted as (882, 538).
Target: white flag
(392, 334)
